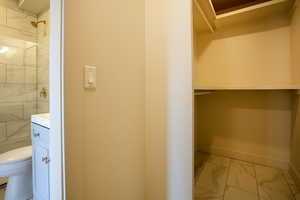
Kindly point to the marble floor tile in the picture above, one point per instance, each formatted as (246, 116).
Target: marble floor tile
(1, 194)
(272, 185)
(291, 182)
(218, 160)
(211, 181)
(233, 193)
(197, 172)
(202, 157)
(242, 176)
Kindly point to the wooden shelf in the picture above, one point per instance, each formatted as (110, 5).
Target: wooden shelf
(282, 87)
(206, 19)
(225, 6)
(204, 16)
(254, 13)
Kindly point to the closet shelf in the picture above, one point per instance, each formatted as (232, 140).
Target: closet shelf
(209, 18)
(254, 13)
(213, 88)
(204, 16)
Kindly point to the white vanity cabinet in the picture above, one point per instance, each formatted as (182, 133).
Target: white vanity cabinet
(40, 161)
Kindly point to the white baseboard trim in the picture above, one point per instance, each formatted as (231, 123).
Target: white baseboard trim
(258, 159)
(295, 174)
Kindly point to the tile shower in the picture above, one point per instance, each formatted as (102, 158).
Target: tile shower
(24, 64)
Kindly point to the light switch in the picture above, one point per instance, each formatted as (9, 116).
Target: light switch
(90, 77)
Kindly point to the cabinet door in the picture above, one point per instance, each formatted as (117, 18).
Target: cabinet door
(41, 172)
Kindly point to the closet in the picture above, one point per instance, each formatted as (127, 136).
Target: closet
(246, 83)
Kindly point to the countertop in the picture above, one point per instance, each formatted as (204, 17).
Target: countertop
(41, 119)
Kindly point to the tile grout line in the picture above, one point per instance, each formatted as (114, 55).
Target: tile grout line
(197, 176)
(288, 184)
(255, 167)
(257, 185)
(227, 178)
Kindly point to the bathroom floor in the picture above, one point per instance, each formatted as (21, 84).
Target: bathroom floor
(1, 194)
(221, 178)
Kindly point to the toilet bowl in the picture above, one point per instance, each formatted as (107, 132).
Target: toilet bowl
(16, 165)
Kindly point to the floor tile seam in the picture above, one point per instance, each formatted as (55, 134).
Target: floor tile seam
(246, 162)
(288, 184)
(199, 173)
(257, 184)
(227, 177)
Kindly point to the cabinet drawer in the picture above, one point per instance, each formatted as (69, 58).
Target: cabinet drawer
(39, 134)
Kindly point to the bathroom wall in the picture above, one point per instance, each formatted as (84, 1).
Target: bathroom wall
(10, 4)
(17, 77)
(248, 55)
(105, 127)
(256, 130)
(43, 62)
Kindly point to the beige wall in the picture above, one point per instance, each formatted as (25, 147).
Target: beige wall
(105, 128)
(245, 55)
(295, 51)
(249, 125)
(254, 126)
(169, 142)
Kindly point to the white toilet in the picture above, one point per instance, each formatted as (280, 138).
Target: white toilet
(16, 165)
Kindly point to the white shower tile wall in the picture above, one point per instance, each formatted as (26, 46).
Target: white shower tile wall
(18, 78)
(43, 62)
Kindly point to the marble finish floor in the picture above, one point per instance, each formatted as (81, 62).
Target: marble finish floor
(1, 194)
(221, 178)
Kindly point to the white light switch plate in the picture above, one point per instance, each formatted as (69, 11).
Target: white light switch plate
(90, 80)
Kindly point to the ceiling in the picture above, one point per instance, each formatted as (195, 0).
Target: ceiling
(222, 6)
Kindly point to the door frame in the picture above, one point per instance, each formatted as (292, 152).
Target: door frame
(56, 146)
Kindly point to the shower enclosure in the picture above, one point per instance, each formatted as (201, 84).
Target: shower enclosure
(24, 73)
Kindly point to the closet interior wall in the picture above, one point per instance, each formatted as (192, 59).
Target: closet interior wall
(253, 126)
(260, 126)
(295, 57)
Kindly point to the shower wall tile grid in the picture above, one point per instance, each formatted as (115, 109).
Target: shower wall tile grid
(17, 24)
(221, 178)
(18, 77)
(43, 62)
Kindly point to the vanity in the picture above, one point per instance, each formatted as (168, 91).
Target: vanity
(40, 128)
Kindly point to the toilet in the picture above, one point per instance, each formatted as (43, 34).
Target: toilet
(16, 165)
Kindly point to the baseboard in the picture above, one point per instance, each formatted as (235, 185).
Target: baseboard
(261, 160)
(295, 174)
